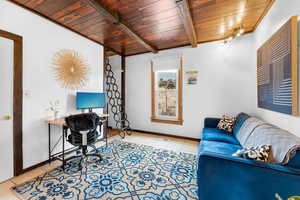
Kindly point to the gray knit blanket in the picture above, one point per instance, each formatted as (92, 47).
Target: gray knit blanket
(255, 132)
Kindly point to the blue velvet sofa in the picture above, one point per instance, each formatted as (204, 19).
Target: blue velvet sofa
(223, 176)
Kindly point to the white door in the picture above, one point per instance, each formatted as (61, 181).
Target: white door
(6, 109)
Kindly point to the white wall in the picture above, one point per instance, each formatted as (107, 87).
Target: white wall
(225, 85)
(41, 39)
(279, 14)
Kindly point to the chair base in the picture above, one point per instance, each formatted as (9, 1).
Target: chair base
(83, 160)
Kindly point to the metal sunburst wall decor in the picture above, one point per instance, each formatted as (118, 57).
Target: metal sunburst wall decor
(70, 69)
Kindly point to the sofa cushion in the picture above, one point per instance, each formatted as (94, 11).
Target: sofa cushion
(240, 119)
(211, 122)
(218, 147)
(255, 132)
(214, 134)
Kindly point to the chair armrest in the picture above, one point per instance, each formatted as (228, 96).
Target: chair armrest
(211, 122)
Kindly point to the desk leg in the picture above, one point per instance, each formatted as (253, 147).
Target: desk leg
(105, 130)
(63, 147)
(49, 143)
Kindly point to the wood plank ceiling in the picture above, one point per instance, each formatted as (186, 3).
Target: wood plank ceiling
(158, 22)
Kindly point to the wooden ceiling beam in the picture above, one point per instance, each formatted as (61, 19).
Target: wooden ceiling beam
(186, 18)
(116, 20)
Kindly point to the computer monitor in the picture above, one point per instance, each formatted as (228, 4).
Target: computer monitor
(90, 100)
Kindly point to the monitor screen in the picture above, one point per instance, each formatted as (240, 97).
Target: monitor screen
(88, 100)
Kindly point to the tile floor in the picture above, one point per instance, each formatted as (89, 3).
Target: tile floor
(164, 142)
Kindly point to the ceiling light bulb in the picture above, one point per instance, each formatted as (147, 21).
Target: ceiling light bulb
(238, 34)
(230, 38)
(241, 31)
(222, 30)
(239, 19)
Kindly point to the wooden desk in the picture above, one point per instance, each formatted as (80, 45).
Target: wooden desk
(56, 122)
(61, 123)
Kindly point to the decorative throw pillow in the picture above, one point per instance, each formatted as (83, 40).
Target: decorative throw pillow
(226, 123)
(259, 153)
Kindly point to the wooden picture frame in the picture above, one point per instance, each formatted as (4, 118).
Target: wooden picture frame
(154, 118)
(277, 70)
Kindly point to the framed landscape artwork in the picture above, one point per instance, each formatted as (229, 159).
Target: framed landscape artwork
(277, 70)
(191, 77)
(167, 93)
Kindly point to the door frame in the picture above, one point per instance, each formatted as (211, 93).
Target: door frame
(17, 100)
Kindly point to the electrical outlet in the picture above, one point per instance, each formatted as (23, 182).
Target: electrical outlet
(27, 93)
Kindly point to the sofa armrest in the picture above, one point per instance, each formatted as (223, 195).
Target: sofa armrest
(211, 122)
(252, 163)
(245, 179)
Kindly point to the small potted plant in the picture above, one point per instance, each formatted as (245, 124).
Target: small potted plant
(54, 108)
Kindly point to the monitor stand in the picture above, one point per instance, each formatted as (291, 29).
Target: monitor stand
(90, 110)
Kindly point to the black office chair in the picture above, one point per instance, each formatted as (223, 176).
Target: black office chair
(83, 132)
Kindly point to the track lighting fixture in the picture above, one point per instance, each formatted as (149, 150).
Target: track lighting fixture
(236, 33)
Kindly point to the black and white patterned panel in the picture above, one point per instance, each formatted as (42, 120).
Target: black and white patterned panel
(115, 101)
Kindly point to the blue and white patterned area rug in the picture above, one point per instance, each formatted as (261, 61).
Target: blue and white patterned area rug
(127, 171)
